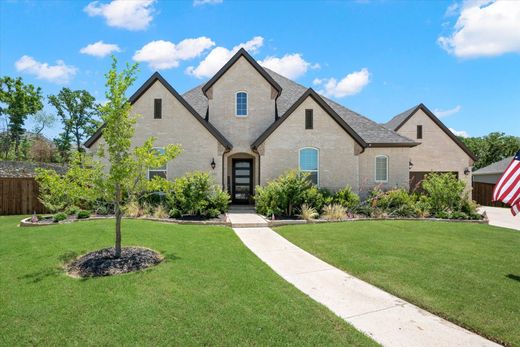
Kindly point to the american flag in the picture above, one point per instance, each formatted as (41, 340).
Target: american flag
(507, 188)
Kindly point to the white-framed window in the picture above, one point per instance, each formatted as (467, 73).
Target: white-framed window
(241, 104)
(158, 171)
(309, 161)
(381, 168)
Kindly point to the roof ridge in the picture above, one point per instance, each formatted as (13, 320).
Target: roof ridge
(330, 101)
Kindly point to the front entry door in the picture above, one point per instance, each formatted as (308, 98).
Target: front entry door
(242, 180)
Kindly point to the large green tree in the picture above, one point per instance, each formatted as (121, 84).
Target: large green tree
(77, 110)
(492, 147)
(127, 173)
(17, 101)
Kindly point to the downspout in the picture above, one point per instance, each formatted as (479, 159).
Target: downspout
(223, 154)
(259, 166)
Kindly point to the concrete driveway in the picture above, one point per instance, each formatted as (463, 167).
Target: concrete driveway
(501, 217)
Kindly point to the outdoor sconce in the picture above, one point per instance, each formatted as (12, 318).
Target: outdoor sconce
(467, 171)
(213, 163)
(410, 164)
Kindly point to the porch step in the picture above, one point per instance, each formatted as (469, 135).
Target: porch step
(246, 220)
(242, 209)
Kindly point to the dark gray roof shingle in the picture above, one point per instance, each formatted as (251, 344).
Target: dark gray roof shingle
(368, 130)
(400, 118)
(495, 168)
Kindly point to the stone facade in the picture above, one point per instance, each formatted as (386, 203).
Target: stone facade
(177, 126)
(437, 151)
(343, 160)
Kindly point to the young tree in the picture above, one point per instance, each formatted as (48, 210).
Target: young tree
(126, 173)
(77, 110)
(17, 101)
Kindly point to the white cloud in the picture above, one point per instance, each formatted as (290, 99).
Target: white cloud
(220, 55)
(100, 49)
(484, 28)
(59, 73)
(445, 113)
(127, 14)
(461, 133)
(166, 55)
(206, 2)
(290, 65)
(351, 84)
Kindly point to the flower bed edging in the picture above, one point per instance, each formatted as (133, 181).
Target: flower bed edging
(275, 223)
(26, 222)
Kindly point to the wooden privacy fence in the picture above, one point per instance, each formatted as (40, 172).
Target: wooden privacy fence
(483, 193)
(19, 195)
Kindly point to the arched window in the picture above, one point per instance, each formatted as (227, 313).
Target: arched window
(309, 162)
(241, 104)
(381, 168)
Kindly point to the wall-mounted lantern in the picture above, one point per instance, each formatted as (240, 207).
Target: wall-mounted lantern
(410, 165)
(467, 171)
(213, 163)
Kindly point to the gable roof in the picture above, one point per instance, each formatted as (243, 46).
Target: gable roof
(309, 93)
(398, 121)
(146, 85)
(241, 53)
(496, 168)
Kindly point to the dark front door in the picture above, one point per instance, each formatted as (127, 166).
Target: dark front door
(242, 180)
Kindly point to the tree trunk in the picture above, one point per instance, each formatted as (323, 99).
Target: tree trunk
(119, 216)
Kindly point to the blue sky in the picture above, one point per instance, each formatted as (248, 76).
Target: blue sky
(378, 58)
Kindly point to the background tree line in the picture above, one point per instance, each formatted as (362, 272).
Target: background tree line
(75, 110)
(492, 147)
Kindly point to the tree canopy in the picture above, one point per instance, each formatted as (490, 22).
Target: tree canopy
(492, 147)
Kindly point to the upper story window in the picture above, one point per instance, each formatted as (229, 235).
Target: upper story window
(157, 108)
(160, 171)
(309, 162)
(419, 131)
(309, 119)
(381, 168)
(241, 104)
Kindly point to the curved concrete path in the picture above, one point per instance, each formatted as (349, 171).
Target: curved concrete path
(384, 317)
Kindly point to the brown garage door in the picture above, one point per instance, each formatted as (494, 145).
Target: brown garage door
(416, 178)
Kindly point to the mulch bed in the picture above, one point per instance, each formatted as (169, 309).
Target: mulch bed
(103, 262)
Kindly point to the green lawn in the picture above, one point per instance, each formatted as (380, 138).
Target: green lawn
(467, 273)
(210, 290)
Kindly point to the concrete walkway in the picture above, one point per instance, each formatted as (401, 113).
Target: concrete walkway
(384, 317)
(501, 217)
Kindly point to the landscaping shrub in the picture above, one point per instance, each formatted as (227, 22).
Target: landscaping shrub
(308, 213)
(133, 209)
(58, 217)
(83, 214)
(80, 186)
(334, 212)
(196, 194)
(346, 198)
(445, 192)
(317, 197)
(161, 212)
(72, 210)
(396, 202)
(285, 194)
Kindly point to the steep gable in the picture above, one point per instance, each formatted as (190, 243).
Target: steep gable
(398, 121)
(156, 77)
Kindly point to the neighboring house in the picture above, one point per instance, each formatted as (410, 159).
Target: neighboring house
(484, 180)
(248, 125)
(439, 150)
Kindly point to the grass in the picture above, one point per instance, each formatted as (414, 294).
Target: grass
(210, 290)
(467, 273)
